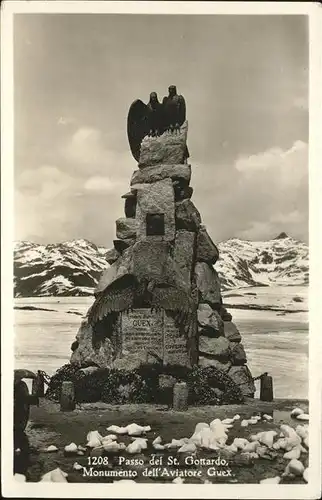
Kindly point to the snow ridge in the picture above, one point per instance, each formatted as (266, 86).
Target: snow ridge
(68, 268)
(281, 261)
(74, 267)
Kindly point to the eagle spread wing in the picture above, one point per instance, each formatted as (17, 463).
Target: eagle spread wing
(178, 302)
(137, 126)
(181, 110)
(118, 297)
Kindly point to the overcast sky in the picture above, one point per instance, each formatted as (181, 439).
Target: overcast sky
(245, 81)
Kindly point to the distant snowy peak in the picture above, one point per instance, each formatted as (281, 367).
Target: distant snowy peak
(68, 268)
(281, 236)
(74, 267)
(281, 261)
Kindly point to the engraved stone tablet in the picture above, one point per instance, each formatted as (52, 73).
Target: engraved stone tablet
(153, 335)
(142, 332)
(175, 351)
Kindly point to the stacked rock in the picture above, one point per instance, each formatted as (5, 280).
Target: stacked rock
(161, 241)
(220, 345)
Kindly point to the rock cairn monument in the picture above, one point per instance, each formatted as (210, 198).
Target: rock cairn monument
(160, 301)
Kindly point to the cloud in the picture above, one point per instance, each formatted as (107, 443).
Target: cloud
(258, 196)
(54, 203)
(273, 159)
(86, 147)
(65, 120)
(97, 183)
(293, 223)
(44, 202)
(275, 192)
(90, 152)
(45, 182)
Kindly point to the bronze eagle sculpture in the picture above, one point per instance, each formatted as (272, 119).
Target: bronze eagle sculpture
(154, 118)
(174, 107)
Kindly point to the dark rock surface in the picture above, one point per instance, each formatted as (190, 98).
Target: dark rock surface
(238, 354)
(218, 348)
(208, 284)
(160, 172)
(126, 228)
(231, 332)
(168, 149)
(209, 321)
(242, 376)
(187, 216)
(206, 249)
(112, 255)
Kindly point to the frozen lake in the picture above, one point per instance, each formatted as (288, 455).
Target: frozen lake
(273, 342)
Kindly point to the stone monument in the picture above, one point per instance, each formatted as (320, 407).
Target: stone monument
(160, 299)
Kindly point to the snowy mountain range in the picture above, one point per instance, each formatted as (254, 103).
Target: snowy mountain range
(68, 268)
(281, 261)
(74, 267)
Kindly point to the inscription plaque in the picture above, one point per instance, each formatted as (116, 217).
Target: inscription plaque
(142, 331)
(175, 351)
(154, 333)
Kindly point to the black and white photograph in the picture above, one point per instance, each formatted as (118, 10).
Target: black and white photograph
(160, 325)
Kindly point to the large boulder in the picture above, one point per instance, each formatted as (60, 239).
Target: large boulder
(217, 348)
(120, 268)
(128, 361)
(187, 216)
(225, 315)
(153, 263)
(130, 207)
(155, 211)
(153, 174)
(206, 249)
(204, 362)
(130, 204)
(210, 322)
(87, 353)
(242, 376)
(231, 332)
(112, 255)
(208, 284)
(182, 190)
(169, 148)
(237, 354)
(121, 245)
(126, 228)
(108, 277)
(183, 253)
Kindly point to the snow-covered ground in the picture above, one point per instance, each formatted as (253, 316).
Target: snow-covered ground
(284, 298)
(274, 341)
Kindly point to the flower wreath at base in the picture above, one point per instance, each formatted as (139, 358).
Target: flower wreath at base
(207, 386)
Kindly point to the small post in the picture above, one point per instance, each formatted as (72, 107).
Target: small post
(266, 388)
(38, 385)
(180, 396)
(67, 396)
